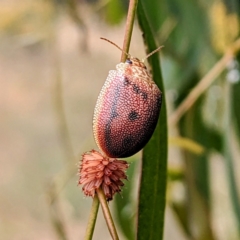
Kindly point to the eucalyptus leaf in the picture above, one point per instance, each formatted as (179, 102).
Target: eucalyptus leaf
(124, 206)
(152, 195)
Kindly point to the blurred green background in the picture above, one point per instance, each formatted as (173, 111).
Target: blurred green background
(52, 67)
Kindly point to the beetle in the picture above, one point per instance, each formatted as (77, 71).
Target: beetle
(127, 108)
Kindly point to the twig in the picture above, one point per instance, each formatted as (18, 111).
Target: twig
(107, 214)
(129, 27)
(204, 83)
(92, 219)
(126, 43)
(101, 196)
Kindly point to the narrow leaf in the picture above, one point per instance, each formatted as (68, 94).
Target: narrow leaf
(124, 202)
(233, 187)
(154, 163)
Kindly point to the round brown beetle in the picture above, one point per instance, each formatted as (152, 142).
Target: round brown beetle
(127, 109)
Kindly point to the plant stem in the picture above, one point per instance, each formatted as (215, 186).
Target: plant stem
(129, 27)
(100, 195)
(126, 43)
(107, 214)
(92, 219)
(204, 83)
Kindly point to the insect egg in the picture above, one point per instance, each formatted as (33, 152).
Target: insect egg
(127, 109)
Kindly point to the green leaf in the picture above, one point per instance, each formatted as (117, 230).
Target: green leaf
(154, 163)
(114, 12)
(124, 202)
(155, 19)
(233, 186)
(235, 105)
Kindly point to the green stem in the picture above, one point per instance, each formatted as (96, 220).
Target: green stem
(92, 219)
(129, 28)
(107, 214)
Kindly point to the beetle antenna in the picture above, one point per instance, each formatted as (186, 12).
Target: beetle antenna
(150, 54)
(105, 39)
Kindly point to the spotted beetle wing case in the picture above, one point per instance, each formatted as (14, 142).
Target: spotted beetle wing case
(127, 110)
